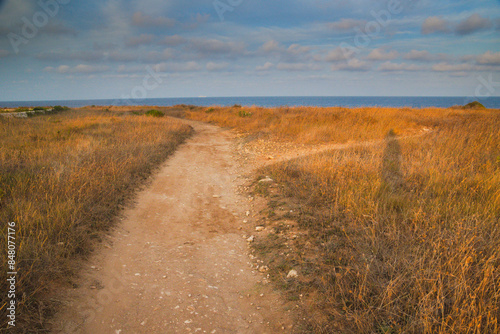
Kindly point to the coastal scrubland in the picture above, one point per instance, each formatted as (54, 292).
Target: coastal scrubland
(400, 235)
(397, 235)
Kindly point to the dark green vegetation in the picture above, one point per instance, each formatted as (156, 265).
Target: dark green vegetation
(154, 113)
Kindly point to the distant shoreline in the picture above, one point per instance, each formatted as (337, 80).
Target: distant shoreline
(274, 101)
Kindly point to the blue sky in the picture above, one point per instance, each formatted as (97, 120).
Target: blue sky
(68, 49)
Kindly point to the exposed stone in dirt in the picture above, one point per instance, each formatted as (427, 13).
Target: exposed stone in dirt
(292, 274)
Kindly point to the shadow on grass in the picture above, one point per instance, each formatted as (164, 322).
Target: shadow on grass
(391, 174)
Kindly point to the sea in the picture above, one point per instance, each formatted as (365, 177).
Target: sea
(275, 101)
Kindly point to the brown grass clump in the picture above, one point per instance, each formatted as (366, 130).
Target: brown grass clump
(398, 237)
(63, 179)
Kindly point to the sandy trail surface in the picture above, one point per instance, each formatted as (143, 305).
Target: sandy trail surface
(178, 261)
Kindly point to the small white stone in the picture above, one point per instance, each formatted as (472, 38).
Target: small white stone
(251, 239)
(292, 274)
(259, 228)
(266, 179)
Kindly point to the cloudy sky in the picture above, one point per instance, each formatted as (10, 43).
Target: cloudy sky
(68, 49)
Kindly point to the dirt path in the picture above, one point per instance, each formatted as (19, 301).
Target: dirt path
(178, 262)
(264, 152)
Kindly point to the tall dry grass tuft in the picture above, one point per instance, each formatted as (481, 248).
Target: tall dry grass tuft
(398, 237)
(63, 179)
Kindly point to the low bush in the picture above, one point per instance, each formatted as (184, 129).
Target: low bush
(59, 108)
(155, 113)
(474, 105)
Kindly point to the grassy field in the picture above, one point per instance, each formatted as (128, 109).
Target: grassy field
(63, 179)
(401, 236)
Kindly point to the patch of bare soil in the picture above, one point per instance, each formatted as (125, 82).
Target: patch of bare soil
(179, 260)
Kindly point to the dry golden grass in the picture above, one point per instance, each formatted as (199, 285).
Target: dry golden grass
(397, 237)
(63, 178)
(308, 125)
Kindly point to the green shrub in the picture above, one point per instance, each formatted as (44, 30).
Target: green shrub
(474, 105)
(59, 108)
(244, 113)
(39, 109)
(210, 110)
(155, 113)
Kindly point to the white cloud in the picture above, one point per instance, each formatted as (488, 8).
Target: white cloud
(390, 67)
(121, 56)
(296, 67)
(489, 58)
(156, 56)
(266, 67)
(214, 46)
(352, 65)
(131, 69)
(143, 20)
(435, 24)
(214, 67)
(12, 11)
(81, 56)
(196, 21)
(116, 19)
(296, 49)
(177, 67)
(346, 24)
(272, 46)
(82, 68)
(447, 67)
(335, 55)
(60, 69)
(58, 29)
(381, 54)
(143, 39)
(423, 55)
(293, 53)
(173, 40)
(473, 24)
